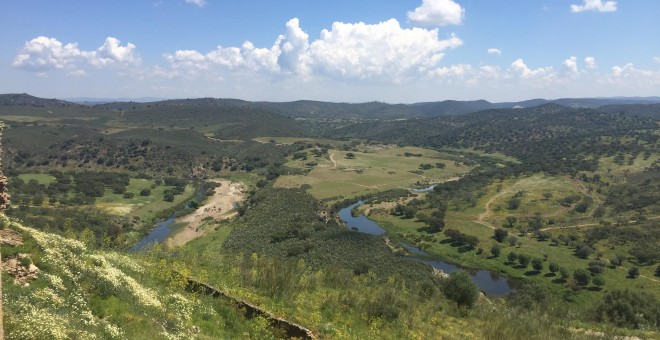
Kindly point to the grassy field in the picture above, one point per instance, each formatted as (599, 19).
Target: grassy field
(374, 169)
(143, 206)
(44, 179)
(438, 246)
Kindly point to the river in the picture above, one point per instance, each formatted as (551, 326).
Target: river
(163, 228)
(491, 283)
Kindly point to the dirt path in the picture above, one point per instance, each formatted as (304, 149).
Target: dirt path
(482, 217)
(220, 206)
(332, 159)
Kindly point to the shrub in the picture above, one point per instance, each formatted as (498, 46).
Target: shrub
(460, 288)
(145, 192)
(537, 264)
(582, 277)
(633, 272)
(629, 309)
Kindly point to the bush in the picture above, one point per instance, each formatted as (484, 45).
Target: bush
(129, 195)
(582, 277)
(633, 272)
(564, 273)
(496, 250)
(584, 252)
(460, 288)
(598, 281)
(145, 192)
(629, 309)
(537, 264)
(553, 267)
(500, 235)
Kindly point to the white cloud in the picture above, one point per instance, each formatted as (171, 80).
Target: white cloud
(293, 48)
(437, 13)
(595, 5)
(111, 52)
(43, 54)
(198, 3)
(346, 51)
(571, 65)
(656, 59)
(590, 63)
(620, 71)
(494, 51)
(383, 50)
(523, 71)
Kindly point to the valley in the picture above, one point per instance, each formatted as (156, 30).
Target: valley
(563, 201)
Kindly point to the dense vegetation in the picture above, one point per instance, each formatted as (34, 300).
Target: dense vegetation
(563, 199)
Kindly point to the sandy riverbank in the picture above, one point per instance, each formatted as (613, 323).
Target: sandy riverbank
(217, 207)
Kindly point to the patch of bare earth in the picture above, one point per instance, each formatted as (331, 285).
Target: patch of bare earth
(19, 266)
(220, 206)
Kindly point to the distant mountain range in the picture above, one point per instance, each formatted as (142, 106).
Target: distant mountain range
(328, 110)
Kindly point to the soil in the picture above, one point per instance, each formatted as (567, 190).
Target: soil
(220, 206)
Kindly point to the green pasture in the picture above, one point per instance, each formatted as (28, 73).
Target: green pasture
(44, 179)
(411, 230)
(374, 168)
(143, 206)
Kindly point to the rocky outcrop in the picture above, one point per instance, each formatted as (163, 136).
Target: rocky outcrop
(293, 330)
(21, 269)
(4, 194)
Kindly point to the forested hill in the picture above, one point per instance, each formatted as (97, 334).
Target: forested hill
(23, 99)
(379, 110)
(545, 138)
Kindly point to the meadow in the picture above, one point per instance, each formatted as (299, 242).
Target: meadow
(371, 168)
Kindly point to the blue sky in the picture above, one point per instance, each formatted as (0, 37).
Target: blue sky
(348, 51)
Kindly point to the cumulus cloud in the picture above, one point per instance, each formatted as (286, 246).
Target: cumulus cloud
(293, 47)
(381, 50)
(571, 65)
(595, 5)
(437, 13)
(520, 69)
(112, 52)
(590, 63)
(43, 54)
(620, 71)
(347, 51)
(198, 3)
(494, 51)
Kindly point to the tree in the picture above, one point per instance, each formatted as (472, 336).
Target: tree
(511, 257)
(633, 272)
(543, 235)
(626, 308)
(511, 220)
(582, 277)
(350, 155)
(496, 250)
(584, 252)
(553, 267)
(500, 235)
(598, 281)
(524, 260)
(563, 272)
(460, 288)
(512, 240)
(514, 203)
(537, 264)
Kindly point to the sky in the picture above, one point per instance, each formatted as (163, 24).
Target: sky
(396, 51)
